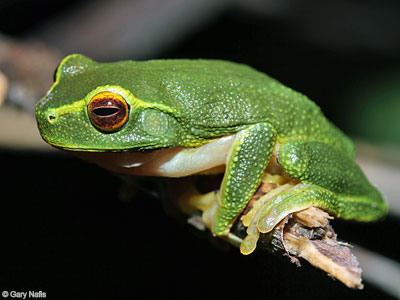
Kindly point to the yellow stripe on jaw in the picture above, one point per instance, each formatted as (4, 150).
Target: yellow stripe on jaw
(68, 108)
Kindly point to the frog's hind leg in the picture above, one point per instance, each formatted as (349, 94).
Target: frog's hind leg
(327, 179)
(330, 180)
(245, 165)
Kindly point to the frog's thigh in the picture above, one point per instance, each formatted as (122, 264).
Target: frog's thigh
(332, 181)
(245, 165)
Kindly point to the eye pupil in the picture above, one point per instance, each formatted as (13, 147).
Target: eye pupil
(106, 111)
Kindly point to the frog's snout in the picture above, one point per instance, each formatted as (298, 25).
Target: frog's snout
(45, 120)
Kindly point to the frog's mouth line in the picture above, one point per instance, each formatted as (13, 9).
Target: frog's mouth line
(102, 150)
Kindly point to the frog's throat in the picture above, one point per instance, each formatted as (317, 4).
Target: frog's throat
(134, 102)
(173, 162)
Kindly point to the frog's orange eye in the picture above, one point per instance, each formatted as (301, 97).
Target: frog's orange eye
(108, 111)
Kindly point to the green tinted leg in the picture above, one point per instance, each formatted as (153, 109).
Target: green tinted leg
(249, 157)
(330, 180)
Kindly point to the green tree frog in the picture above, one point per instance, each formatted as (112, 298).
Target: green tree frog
(176, 118)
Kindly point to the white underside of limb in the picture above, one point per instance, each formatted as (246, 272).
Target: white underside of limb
(194, 160)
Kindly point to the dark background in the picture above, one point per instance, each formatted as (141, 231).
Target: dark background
(65, 232)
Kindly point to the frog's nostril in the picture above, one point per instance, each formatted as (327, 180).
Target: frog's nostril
(51, 118)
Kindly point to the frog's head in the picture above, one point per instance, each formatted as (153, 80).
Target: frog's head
(106, 107)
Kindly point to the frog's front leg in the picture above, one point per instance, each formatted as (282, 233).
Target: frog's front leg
(245, 164)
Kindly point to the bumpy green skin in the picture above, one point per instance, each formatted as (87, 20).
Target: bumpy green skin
(250, 156)
(191, 102)
(330, 180)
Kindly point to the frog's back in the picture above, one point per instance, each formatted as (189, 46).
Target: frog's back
(225, 97)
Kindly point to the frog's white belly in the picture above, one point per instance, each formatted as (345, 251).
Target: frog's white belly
(173, 162)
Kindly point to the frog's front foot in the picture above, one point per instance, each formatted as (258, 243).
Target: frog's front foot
(273, 207)
(254, 216)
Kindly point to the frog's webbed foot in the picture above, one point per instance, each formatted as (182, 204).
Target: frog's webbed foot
(274, 207)
(303, 234)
